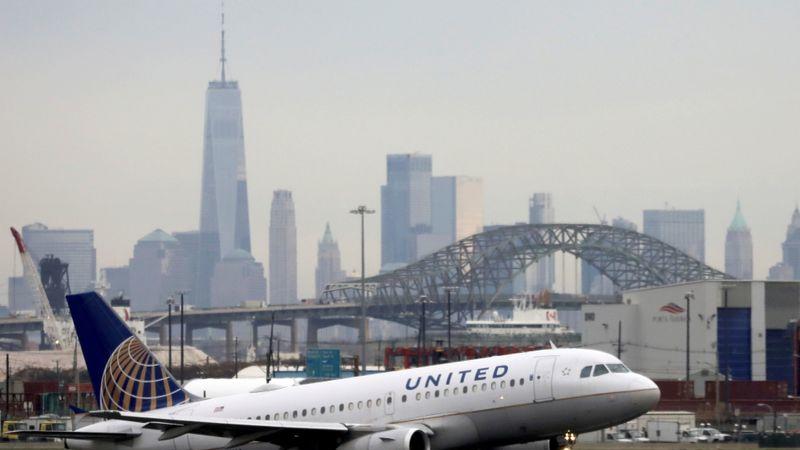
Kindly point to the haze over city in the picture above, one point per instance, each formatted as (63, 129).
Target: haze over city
(622, 107)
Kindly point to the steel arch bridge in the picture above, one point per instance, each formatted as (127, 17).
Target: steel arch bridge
(481, 265)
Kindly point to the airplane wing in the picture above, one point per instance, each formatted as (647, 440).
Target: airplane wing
(88, 435)
(240, 431)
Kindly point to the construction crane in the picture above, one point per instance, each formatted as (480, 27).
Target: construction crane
(601, 219)
(59, 333)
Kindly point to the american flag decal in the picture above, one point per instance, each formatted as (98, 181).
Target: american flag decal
(672, 308)
(218, 409)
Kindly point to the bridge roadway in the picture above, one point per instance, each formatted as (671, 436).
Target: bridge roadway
(319, 316)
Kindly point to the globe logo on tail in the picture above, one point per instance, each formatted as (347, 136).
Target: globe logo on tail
(134, 380)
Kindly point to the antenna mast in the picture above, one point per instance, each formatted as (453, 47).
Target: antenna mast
(222, 55)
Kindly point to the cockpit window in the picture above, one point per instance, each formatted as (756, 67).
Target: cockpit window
(617, 368)
(600, 370)
(586, 372)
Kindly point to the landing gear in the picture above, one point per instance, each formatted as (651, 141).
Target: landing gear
(564, 441)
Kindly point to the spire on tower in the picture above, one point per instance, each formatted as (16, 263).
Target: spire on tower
(222, 55)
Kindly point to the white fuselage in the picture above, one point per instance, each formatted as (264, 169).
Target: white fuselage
(486, 402)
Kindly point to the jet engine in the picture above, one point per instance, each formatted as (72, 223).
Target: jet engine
(395, 439)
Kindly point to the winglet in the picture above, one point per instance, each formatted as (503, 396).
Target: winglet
(552, 345)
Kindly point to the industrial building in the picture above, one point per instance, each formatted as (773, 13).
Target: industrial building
(742, 330)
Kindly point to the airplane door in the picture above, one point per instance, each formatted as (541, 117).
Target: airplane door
(388, 402)
(543, 379)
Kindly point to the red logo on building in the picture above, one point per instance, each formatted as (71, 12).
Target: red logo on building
(672, 308)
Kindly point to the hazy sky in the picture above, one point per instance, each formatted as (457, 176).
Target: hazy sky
(620, 105)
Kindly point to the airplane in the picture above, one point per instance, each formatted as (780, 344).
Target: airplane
(544, 397)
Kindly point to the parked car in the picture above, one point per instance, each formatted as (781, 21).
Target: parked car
(694, 436)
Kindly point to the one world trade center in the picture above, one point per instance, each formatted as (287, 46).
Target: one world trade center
(224, 216)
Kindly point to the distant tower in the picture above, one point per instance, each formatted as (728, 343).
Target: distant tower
(329, 262)
(224, 215)
(405, 207)
(789, 268)
(282, 250)
(684, 229)
(739, 248)
(541, 274)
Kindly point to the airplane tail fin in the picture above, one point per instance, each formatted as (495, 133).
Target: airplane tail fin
(125, 375)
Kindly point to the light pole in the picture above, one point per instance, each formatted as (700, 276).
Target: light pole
(423, 299)
(689, 295)
(181, 338)
(362, 211)
(170, 302)
(449, 290)
(774, 416)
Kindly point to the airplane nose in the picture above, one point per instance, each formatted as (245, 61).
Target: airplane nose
(646, 392)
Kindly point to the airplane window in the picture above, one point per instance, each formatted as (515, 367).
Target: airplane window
(322, 410)
(465, 390)
(341, 406)
(494, 385)
(286, 416)
(586, 372)
(304, 413)
(249, 418)
(388, 400)
(600, 370)
(313, 411)
(483, 387)
(350, 406)
(446, 392)
(369, 403)
(503, 384)
(521, 381)
(617, 368)
(436, 393)
(360, 405)
(455, 391)
(512, 382)
(258, 417)
(403, 398)
(266, 417)
(474, 388)
(419, 396)
(294, 414)
(428, 395)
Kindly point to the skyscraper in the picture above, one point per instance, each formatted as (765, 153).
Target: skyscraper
(541, 274)
(405, 206)
(329, 262)
(224, 215)
(74, 247)
(238, 278)
(282, 250)
(789, 268)
(456, 212)
(683, 229)
(739, 248)
(153, 270)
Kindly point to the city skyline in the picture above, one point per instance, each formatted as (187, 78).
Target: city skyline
(102, 140)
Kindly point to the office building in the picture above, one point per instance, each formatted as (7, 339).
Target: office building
(154, 271)
(541, 275)
(739, 248)
(683, 229)
(456, 212)
(789, 267)
(115, 281)
(238, 278)
(224, 215)
(282, 250)
(20, 296)
(405, 206)
(329, 262)
(73, 247)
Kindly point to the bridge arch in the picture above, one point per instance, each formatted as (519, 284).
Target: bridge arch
(482, 264)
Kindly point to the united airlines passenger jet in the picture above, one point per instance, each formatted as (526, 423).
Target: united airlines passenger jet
(547, 396)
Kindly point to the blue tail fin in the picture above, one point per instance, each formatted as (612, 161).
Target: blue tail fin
(125, 375)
